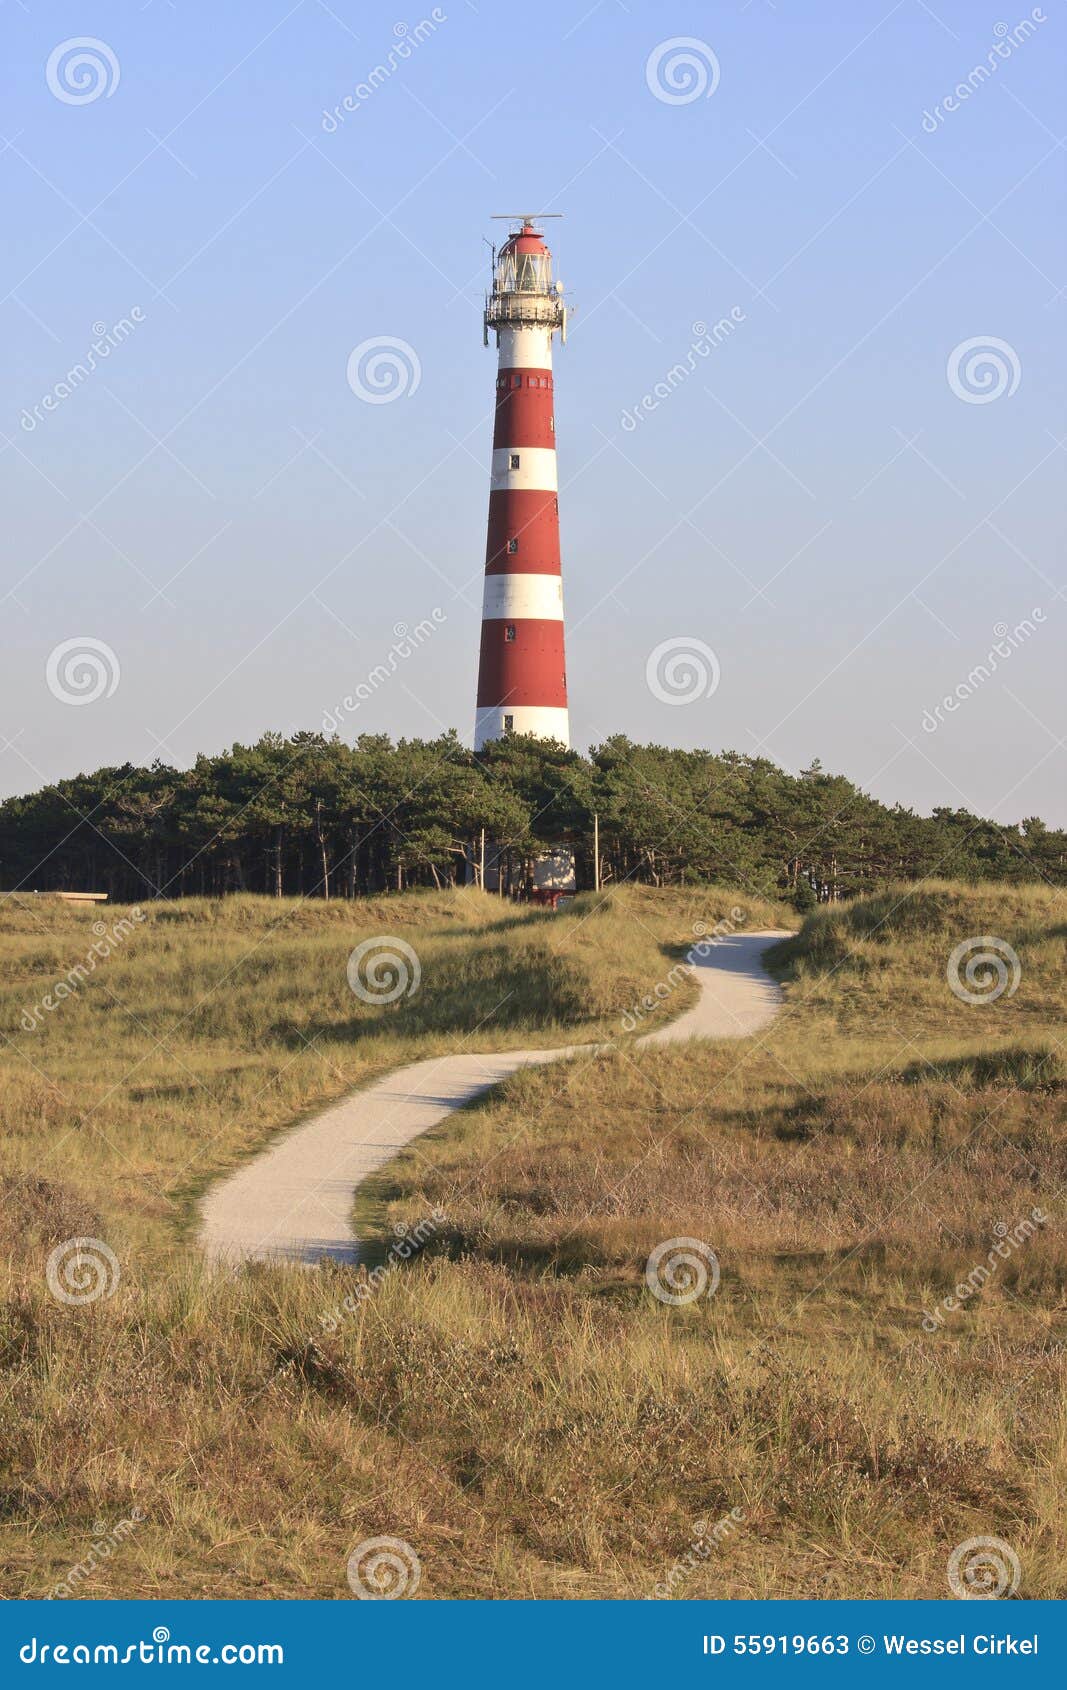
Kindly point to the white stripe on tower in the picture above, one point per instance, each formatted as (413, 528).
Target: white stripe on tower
(525, 348)
(516, 598)
(536, 468)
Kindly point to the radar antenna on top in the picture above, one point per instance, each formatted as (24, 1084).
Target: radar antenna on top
(523, 217)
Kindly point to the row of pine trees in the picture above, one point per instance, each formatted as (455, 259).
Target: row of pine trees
(317, 817)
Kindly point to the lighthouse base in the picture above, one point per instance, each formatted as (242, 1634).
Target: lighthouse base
(541, 878)
(554, 872)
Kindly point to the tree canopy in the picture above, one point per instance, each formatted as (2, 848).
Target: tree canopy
(315, 816)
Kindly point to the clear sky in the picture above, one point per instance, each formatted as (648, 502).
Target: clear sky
(839, 499)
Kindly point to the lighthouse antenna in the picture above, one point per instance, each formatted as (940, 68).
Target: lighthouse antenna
(523, 217)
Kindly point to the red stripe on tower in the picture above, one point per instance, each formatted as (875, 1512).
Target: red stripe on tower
(522, 682)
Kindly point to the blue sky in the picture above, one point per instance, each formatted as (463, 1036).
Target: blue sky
(817, 502)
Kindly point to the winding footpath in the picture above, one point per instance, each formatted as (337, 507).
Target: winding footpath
(294, 1201)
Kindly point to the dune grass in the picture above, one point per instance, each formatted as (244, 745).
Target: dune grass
(213, 1023)
(515, 1403)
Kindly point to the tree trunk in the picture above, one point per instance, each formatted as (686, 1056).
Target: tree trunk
(321, 839)
(353, 867)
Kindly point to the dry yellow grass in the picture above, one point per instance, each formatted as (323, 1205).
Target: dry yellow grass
(214, 1023)
(516, 1404)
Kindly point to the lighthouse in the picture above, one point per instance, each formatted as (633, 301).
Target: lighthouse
(522, 677)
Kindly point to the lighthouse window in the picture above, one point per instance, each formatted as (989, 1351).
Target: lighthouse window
(509, 633)
(552, 425)
(514, 460)
(516, 381)
(509, 723)
(513, 545)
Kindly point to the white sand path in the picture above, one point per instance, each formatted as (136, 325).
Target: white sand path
(293, 1202)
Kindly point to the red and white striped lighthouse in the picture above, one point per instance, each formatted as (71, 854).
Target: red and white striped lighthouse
(522, 678)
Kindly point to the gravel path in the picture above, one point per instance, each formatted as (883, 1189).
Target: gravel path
(294, 1201)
